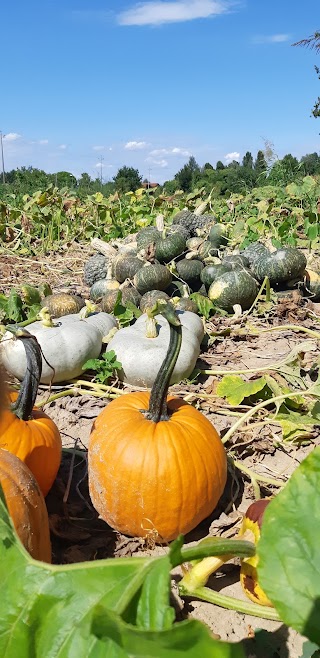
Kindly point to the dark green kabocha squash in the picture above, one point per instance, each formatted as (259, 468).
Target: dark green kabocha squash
(189, 270)
(95, 268)
(217, 235)
(101, 287)
(152, 276)
(146, 236)
(192, 222)
(235, 261)
(254, 251)
(234, 287)
(62, 303)
(150, 298)
(211, 272)
(170, 246)
(128, 294)
(280, 266)
(125, 267)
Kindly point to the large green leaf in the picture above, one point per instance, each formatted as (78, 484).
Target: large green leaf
(289, 550)
(88, 610)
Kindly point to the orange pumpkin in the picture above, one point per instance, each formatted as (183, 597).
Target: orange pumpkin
(25, 430)
(155, 465)
(26, 506)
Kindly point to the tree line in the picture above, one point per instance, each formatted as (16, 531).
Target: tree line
(221, 179)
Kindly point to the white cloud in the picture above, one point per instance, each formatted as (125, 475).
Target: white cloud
(232, 156)
(104, 166)
(158, 163)
(11, 137)
(157, 13)
(43, 141)
(171, 151)
(62, 147)
(271, 38)
(135, 146)
(98, 148)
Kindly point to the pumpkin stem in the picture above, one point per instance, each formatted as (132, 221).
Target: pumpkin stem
(24, 403)
(158, 409)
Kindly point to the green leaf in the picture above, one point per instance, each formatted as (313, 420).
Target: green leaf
(154, 611)
(30, 295)
(289, 550)
(236, 390)
(310, 650)
(79, 609)
(14, 306)
(205, 306)
(295, 425)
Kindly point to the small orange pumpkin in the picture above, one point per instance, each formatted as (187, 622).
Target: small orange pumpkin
(155, 465)
(26, 431)
(26, 506)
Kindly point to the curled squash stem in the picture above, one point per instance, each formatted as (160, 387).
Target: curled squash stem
(23, 405)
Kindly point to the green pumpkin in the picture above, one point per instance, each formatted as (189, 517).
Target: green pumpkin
(217, 235)
(280, 266)
(211, 272)
(146, 236)
(129, 294)
(235, 261)
(170, 246)
(150, 298)
(254, 251)
(152, 276)
(189, 270)
(234, 287)
(125, 267)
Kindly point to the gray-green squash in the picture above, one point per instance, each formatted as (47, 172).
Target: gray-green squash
(189, 270)
(217, 235)
(95, 268)
(141, 356)
(127, 294)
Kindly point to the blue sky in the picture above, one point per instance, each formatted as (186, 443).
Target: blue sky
(86, 83)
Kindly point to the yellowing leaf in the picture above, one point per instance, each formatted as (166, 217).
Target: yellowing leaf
(236, 390)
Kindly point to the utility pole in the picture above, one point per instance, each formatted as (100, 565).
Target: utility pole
(2, 156)
(101, 160)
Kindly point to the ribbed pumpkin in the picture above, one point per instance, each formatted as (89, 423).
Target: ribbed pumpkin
(26, 506)
(26, 431)
(155, 464)
(152, 276)
(235, 287)
(62, 303)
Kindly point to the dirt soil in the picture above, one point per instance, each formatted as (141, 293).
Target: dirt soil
(77, 532)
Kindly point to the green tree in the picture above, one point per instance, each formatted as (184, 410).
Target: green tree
(188, 176)
(64, 179)
(247, 160)
(260, 164)
(310, 164)
(313, 42)
(127, 179)
(219, 165)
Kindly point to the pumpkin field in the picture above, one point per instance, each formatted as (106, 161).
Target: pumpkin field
(160, 415)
